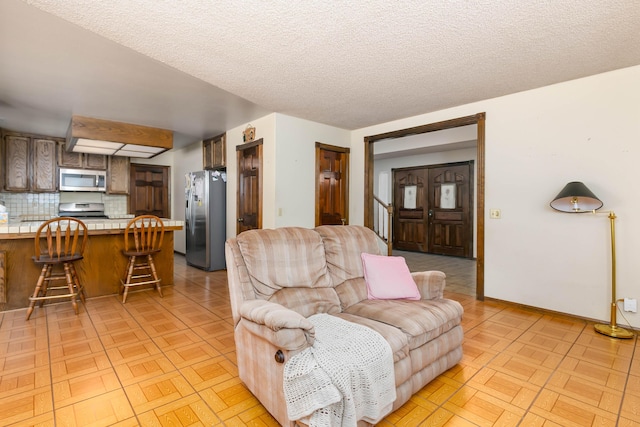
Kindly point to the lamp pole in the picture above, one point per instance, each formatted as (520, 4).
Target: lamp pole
(613, 330)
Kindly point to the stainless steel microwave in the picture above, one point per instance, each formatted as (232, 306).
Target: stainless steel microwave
(82, 180)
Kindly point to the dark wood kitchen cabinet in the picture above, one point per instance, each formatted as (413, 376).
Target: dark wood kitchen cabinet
(214, 152)
(95, 161)
(29, 163)
(118, 175)
(69, 159)
(16, 166)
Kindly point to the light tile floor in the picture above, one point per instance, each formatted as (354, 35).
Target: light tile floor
(171, 361)
(461, 272)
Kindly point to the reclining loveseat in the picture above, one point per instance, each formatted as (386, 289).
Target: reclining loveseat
(279, 278)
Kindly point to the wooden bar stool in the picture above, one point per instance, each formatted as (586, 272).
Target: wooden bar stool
(59, 243)
(147, 232)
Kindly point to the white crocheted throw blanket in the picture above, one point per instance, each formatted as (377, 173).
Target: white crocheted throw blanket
(346, 376)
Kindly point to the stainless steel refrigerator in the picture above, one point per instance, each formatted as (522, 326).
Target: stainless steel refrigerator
(205, 219)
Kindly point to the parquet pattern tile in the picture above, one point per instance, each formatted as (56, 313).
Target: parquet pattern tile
(172, 362)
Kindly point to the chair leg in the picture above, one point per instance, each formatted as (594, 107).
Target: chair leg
(76, 282)
(32, 304)
(45, 284)
(126, 275)
(127, 281)
(154, 274)
(70, 285)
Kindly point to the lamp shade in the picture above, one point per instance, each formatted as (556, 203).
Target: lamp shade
(576, 197)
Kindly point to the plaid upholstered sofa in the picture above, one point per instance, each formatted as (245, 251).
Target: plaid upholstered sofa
(278, 278)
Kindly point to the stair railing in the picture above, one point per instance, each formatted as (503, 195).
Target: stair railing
(383, 222)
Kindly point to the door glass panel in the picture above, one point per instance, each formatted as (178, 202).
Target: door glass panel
(410, 196)
(448, 196)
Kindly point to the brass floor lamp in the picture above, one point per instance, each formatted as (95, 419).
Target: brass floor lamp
(575, 197)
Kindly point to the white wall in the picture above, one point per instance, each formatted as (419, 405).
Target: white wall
(295, 196)
(288, 168)
(537, 141)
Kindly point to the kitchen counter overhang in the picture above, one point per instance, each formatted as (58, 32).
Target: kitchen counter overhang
(27, 229)
(100, 271)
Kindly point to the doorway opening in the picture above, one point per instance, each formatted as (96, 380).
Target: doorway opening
(479, 121)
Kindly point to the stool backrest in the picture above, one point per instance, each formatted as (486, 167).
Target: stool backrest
(147, 232)
(61, 237)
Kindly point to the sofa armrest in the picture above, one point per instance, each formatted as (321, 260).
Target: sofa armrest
(430, 283)
(276, 318)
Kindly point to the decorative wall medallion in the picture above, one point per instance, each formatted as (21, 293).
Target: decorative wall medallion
(249, 133)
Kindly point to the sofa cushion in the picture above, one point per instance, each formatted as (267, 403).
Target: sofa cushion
(290, 257)
(343, 246)
(308, 301)
(388, 277)
(421, 320)
(351, 291)
(395, 337)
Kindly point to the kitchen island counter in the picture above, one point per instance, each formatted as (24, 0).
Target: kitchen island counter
(17, 229)
(100, 271)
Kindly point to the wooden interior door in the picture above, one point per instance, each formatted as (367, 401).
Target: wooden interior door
(332, 185)
(249, 208)
(410, 209)
(450, 204)
(149, 190)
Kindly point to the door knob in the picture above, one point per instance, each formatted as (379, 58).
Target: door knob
(240, 219)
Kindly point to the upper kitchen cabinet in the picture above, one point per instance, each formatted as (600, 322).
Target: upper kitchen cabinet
(29, 163)
(118, 175)
(214, 152)
(68, 159)
(94, 161)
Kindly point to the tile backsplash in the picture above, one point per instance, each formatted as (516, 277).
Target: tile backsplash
(32, 204)
(115, 205)
(37, 206)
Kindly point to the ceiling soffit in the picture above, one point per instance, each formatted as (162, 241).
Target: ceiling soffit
(89, 135)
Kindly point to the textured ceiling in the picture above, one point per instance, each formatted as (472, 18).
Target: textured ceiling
(359, 63)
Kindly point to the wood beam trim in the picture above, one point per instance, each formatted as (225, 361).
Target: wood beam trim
(105, 130)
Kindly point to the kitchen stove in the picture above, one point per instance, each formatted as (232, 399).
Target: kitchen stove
(82, 210)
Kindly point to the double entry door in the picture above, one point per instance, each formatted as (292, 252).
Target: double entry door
(432, 209)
